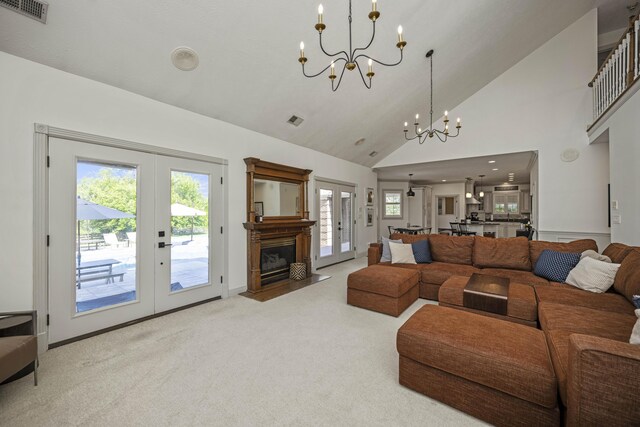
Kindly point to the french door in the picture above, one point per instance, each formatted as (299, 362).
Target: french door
(131, 234)
(336, 223)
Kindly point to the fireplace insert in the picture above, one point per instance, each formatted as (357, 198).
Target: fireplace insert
(276, 255)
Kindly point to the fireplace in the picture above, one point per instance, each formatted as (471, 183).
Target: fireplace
(276, 255)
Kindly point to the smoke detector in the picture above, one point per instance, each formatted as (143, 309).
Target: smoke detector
(295, 120)
(34, 9)
(184, 58)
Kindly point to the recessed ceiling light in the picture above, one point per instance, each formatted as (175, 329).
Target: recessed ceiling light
(492, 161)
(444, 180)
(185, 58)
(360, 141)
(495, 169)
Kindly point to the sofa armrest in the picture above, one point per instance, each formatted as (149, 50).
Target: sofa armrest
(375, 253)
(602, 382)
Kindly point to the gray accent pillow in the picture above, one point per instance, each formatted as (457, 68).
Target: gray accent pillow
(386, 251)
(590, 253)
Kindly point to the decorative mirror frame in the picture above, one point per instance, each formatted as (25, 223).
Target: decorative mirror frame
(259, 169)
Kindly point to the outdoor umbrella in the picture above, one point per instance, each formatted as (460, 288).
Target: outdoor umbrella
(93, 211)
(181, 210)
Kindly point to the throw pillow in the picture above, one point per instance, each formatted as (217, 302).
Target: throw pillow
(555, 266)
(386, 252)
(636, 301)
(635, 334)
(422, 252)
(595, 255)
(593, 275)
(401, 253)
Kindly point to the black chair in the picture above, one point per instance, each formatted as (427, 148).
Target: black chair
(455, 229)
(391, 230)
(525, 233)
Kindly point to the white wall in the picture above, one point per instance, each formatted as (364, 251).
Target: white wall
(34, 93)
(542, 103)
(624, 157)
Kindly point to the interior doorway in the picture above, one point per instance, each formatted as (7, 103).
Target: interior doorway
(446, 210)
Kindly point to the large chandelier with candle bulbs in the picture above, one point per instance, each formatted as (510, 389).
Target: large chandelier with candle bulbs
(349, 61)
(422, 135)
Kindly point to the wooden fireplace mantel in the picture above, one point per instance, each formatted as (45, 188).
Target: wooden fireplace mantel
(275, 227)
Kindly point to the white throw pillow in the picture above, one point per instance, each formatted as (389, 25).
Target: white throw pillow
(595, 255)
(593, 275)
(401, 253)
(635, 335)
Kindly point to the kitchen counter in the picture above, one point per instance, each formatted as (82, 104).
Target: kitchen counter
(501, 229)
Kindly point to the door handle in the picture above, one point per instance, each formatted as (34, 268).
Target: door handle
(164, 245)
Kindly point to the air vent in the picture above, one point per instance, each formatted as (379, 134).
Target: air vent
(295, 121)
(506, 188)
(373, 153)
(32, 8)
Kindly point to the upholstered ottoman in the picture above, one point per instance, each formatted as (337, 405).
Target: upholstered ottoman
(522, 306)
(383, 289)
(497, 371)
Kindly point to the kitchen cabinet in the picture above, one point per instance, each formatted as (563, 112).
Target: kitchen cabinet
(525, 202)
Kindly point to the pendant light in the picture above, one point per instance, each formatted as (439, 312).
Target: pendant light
(481, 191)
(468, 194)
(410, 193)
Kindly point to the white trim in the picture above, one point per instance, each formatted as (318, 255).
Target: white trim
(601, 121)
(121, 143)
(334, 181)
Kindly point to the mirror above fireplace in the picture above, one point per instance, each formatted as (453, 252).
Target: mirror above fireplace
(276, 198)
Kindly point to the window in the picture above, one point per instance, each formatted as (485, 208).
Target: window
(392, 200)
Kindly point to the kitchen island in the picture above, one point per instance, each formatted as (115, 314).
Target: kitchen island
(501, 229)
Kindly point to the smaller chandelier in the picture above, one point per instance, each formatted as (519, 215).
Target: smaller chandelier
(430, 132)
(350, 58)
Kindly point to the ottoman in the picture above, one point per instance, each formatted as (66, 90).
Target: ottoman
(383, 289)
(497, 371)
(522, 306)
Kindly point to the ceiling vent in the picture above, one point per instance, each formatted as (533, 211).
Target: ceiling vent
(373, 153)
(34, 9)
(295, 121)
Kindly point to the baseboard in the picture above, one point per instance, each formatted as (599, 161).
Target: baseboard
(237, 291)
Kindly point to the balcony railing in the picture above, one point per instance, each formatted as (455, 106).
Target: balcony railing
(619, 71)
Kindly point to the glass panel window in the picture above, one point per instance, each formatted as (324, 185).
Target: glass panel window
(189, 230)
(326, 222)
(345, 223)
(105, 235)
(392, 204)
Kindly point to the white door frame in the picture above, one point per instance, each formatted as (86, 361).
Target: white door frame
(42, 132)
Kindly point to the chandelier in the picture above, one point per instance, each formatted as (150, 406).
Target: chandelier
(430, 132)
(351, 58)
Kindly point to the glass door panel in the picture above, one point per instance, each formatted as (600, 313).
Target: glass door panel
(106, 221)
(326, 222)
(189, 230)
(346, 222)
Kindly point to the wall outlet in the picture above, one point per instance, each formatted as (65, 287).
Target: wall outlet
(616, 219)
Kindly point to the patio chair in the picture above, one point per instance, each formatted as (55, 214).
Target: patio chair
(131, 235)
(112, 240)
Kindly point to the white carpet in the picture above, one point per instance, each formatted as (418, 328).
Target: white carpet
(306, 358)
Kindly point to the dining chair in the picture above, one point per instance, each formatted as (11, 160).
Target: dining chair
(455, 228)
(464, 230)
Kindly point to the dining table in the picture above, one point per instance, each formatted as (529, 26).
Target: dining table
(412, 230)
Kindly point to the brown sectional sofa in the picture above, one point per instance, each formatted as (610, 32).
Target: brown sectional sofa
(514, 258)
(587, 334)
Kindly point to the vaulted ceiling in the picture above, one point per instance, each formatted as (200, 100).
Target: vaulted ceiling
(249, 74)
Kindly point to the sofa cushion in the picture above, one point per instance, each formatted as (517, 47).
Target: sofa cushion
(588, 321)
(555, 266)
(576, 297)
(526, 277)
(617, 252)
(559, 349)
(437, 272)
(381, 280)
(593, 275)
(510, 253)
(401, 253)
(451, 249)
(628, 278)
(386, 251)
(409, 238)
(505, 356)
(577, 246)
(422, 252)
